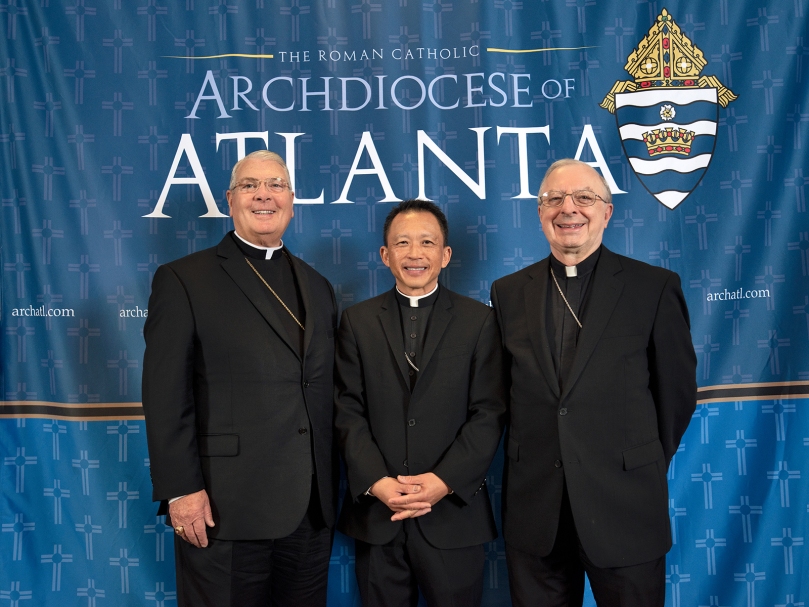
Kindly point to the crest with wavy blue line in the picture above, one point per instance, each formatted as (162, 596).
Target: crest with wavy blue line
(667, 116)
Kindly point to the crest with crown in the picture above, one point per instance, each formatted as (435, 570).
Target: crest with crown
(666, 59)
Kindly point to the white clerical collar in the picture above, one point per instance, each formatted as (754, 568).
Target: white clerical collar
(269, 250)
(414, 301)
(580, 269)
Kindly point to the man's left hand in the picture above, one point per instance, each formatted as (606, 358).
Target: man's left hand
(433, 489)
(192, 514)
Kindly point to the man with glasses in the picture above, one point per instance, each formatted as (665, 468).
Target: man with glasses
(602, 389)
(237, 393)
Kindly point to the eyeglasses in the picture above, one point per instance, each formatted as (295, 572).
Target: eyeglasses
(581, 198)
(276, 185)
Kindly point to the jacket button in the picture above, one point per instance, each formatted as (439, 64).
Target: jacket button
(404, 463)
(302, 430)
(306, 384)
(557, 463)
(410, 373)
(411, 422)
(562, 411)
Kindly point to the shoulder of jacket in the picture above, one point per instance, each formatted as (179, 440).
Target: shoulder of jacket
(366, 306)
(194, 260)
(468, 305)
(641, 269)
(518, 277)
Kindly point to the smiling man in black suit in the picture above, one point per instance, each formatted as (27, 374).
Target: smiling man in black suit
(603, 386)
(238, 397)
(420, 401)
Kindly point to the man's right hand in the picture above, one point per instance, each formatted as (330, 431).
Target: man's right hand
(386, 489)
(193, 513)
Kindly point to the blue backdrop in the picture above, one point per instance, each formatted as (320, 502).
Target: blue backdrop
(119, 123)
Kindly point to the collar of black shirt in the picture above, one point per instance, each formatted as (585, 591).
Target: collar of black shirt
(421, 301)
(583, 268)
(254, 252)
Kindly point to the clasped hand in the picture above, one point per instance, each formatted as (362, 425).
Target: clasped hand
(410, 496)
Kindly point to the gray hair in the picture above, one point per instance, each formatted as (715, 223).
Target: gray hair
(572, 161)
(265, 155)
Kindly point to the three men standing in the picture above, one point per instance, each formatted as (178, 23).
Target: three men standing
(603, 387)
(238, 397)
(420, 401)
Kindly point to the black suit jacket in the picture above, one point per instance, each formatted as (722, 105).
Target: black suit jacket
(230, 405)
(613, 431)
(450, 424)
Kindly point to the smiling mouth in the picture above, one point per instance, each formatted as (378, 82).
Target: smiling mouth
(415, 268)
(569, 226)
(263, 212)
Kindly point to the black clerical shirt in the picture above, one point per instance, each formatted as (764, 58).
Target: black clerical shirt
(415, 316)
(278, 273)
(559, 321)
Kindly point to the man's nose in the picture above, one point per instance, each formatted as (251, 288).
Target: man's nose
(263, 191)
(568, 206)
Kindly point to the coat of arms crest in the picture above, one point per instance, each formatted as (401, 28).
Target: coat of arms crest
(667, 115)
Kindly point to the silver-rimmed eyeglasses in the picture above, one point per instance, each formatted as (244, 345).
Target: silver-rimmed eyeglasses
(581, 198)
(276, 185)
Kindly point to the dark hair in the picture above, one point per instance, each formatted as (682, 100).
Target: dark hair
(417, 206)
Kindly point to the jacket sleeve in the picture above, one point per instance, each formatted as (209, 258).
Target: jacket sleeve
(364, 461)
(168, 395)
(463, 467)
(672, 367)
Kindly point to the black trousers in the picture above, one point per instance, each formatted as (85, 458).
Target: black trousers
(286, 572)
(392, 574)
(557, 580)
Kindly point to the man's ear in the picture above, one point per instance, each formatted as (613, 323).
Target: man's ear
(447, 255)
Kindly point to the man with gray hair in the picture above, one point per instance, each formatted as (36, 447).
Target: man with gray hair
(603, 386)
(237, 394)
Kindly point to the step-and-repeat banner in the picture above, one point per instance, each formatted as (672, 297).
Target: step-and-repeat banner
(119, 124)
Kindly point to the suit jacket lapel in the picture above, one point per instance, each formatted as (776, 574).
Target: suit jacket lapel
(303, 285)
(392, 325)
(536, 310)
(437, 325)
(605, 291)
(234, 264)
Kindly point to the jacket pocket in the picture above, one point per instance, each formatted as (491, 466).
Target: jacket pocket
(218, 445)
(643, 455)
